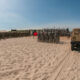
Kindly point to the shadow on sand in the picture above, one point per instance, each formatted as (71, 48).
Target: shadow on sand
(77, 50)
(62, 42)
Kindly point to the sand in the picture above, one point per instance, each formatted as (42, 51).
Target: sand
(27, 59)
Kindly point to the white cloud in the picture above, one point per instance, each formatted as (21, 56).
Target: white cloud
(9, 16)
(8, 11)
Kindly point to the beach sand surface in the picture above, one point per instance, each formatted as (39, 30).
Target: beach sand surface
(27, 59)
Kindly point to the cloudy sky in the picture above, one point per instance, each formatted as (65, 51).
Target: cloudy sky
(29, 13)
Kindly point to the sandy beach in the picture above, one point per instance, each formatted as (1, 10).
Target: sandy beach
(27, 59)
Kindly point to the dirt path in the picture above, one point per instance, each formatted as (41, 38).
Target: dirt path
(27, 59)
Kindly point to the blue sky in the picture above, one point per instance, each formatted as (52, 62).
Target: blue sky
(21, 14)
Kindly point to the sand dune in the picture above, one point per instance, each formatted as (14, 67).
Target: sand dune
(27, 59)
